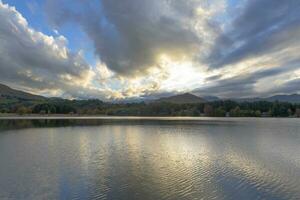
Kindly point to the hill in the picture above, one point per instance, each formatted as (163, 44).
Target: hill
(9, 93)
(211, 98)
(185, 98)
(293, 98)
(18, 102)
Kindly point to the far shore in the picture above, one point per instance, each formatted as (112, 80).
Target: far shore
(4, 116)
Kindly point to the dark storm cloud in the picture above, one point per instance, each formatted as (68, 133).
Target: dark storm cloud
(263, 27)
(245, 85)
(129, 35)
(289, 87)
(232, 87)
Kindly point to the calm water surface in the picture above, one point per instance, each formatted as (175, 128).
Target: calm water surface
(150, 159)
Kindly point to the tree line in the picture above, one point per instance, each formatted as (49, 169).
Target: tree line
(96, 107)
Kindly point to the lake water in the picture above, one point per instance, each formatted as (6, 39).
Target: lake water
(150, 158)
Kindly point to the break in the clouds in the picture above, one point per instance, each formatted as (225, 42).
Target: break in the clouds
(34, 61)
(43, 64)
(143, 49)
(130, 36)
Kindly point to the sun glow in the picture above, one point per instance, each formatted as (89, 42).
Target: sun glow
(181, 74)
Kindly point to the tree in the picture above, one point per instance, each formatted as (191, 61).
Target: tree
(298, 112)
(257, 113)
(236, 112)
(280, 110)
(220, 112)
(195, 112)
(208, 110)
(23, 110)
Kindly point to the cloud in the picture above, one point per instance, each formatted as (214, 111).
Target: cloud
(37, 62)
(129, 36)
(289, 87)
(256, 52)
(260, 82)
(146, 49)
(262, 27)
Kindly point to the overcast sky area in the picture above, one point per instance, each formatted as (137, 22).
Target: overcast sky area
(141, 49)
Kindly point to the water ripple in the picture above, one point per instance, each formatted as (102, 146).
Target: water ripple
(168, 160)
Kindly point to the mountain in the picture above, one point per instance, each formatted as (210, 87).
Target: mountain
(182, 99)
(211, 98)
(9, 93)
(293, 98)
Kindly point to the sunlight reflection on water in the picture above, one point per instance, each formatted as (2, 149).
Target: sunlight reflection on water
(150, 159)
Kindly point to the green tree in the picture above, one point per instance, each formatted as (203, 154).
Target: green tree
(220, 112)
(236, 112)
(297, 112)
(23, 110)
(208, 110)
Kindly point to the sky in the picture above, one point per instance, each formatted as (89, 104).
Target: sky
(141, 49)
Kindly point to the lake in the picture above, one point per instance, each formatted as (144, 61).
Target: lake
(150, 158)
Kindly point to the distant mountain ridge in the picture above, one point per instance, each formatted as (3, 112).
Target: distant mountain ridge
(211, 98)
(7, 92)
(23, 103)
(190, 98)
(182, 99)
(292, 98)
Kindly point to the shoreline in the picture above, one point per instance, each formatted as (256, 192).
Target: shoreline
(77, 116)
